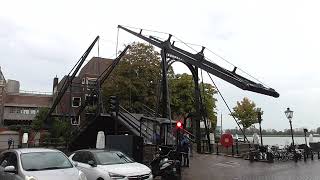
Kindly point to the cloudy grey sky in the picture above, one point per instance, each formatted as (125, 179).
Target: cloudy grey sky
(275, 41)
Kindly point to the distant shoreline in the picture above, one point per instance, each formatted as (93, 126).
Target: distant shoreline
(283, 135)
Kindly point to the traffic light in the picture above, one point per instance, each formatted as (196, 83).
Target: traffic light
(114, 103)
(179, 124)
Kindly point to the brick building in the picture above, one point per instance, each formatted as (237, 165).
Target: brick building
(2, 95)
(19, 107)
(80, 87)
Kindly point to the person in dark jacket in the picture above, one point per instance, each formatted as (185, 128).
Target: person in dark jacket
(185, 151)
(10, 141)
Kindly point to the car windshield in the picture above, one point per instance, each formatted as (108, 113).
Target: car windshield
(37, 161)
(106, 158)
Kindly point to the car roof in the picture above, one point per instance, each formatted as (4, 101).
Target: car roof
(32, 150)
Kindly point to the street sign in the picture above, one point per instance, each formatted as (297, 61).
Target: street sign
(226, 140)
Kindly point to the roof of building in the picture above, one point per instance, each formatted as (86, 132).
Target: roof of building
(31, 100)
(95, 67)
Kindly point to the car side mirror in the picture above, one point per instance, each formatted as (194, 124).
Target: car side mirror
(92, 163)
(10, 169)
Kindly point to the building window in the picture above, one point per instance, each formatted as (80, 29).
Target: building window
(76, 101)
(33, 111)
(13, 110)
(75, 121)
(25, 111)
(91, 83)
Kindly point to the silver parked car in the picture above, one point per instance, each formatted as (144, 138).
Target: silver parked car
(108, 165)
(37, 164)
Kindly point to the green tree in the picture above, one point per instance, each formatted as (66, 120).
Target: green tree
(136, 78)
(246, 113)
(210, 103)
(182, 97)
(38, 122)
(60, 129)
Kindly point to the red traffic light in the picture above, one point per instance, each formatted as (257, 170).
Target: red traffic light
(179, 124)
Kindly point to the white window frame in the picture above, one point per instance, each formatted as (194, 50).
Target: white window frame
(89, 79)
(75, 124)
(73, 101)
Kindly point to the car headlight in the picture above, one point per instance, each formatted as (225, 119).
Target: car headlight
(82, 176)
(30, 178)
(116, 176)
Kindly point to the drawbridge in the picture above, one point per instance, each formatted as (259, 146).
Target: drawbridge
(134, 123)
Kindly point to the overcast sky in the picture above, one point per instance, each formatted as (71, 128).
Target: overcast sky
(275, 41)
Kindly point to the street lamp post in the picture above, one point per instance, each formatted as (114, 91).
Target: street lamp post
(289, 115)
(259, 120)
(305, 153)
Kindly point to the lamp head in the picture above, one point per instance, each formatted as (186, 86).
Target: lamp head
(289, 114)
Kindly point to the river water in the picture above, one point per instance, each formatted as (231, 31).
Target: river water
(284, 140)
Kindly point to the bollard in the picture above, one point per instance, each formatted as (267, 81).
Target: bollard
(251, 157)
(218, 149)
(237, 147)
(270, 157)
(232, 150)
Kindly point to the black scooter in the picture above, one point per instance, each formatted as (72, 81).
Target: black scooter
(166, 166)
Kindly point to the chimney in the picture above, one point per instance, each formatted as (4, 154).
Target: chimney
(55, 84)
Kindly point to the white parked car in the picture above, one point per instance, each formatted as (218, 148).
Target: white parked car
(37, 164)
(108, 165)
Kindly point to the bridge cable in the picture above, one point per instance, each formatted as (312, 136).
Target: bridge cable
(219, 56)
(245, 137)
(224, 59)
(145, 29)
(219, 93)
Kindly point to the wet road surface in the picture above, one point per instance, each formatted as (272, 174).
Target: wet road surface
(213, 167)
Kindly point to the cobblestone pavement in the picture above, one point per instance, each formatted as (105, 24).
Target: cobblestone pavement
(212, 167)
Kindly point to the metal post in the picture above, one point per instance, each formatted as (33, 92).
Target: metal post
(217, 147)
(221, 126)
(294, 149)
(232, 150)
(260, 134)
(291, 133)
(166, 111)
(196, 124)
(306, 155)
(237, 147)
(116, 123)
